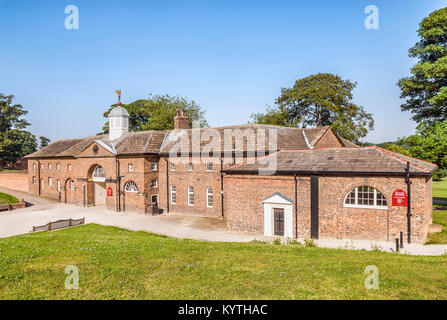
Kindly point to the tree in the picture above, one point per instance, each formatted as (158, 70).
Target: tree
(44, 141)
(323, 99)
(429, 143)
(15, 142)
(158, 112)
(395, 148)
(275, 115)
(425, 90)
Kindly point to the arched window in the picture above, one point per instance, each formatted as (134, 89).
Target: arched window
(209, 198)
(131, 187)
(99, 175)
(365, 197)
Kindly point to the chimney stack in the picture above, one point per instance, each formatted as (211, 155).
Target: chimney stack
(181, 120)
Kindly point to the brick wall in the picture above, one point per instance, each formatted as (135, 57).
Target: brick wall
(14, 180)
(244, 210)
(199, 178)
(81, 173)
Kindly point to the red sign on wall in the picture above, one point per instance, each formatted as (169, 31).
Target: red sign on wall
(400, 198)
(109, 192)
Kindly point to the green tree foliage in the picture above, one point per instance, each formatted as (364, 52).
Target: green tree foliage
(398, 149)
(15, 142)
(429, 142)
(44, 141)
(425, 90)
(158, 112)
(322, 99)
(276, 115)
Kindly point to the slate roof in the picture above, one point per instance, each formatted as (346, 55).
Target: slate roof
(156, 142)
(338, 161)
(287, 138)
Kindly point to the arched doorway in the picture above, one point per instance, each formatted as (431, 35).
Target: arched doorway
(96, 186)
(69, 191)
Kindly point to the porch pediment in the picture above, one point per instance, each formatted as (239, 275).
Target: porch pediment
(277, 198)
(97, 148)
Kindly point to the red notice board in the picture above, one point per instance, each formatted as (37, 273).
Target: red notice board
(399, 198)
(109, 192)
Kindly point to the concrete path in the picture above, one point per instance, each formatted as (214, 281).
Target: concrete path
(41, 211)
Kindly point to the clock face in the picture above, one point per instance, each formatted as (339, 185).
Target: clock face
(95, 149)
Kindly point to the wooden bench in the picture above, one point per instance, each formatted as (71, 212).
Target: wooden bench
(4, 206)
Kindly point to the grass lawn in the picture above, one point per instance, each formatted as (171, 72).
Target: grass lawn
(8, 198)
(439, 217)
(6, 169)
(119, 264)
(440, 190)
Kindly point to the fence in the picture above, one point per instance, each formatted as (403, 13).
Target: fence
(60, 224)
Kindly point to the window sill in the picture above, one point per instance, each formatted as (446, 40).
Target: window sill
(364, 207)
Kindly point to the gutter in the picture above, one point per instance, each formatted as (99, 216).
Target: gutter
(296, 206)
(167, 185)
(38, 176)
(222, 187)
(118, 184)
(329, 173)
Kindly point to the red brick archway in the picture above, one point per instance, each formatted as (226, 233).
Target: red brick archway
(96, 185)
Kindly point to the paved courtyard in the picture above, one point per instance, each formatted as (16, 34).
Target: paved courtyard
(40, 211)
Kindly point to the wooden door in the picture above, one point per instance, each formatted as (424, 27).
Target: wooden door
(278, 219)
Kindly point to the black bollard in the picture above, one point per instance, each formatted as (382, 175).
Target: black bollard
(397, 244)
(401, 239)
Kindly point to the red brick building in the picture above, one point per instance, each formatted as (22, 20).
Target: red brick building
(260, 178)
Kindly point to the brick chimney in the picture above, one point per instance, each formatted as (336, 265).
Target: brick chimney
(181, 120)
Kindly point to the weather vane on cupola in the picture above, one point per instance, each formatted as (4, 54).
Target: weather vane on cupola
(118, 92)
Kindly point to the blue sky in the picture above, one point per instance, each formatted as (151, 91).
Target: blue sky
(231, 57)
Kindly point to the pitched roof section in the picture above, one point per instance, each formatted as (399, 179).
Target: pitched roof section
(55, 148)
(130, 143)
(340, 160)
(286, 138)
(155, 142)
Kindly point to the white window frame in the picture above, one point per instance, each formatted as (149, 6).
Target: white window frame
(361, 206)
(154, 185)
(42, 166)
(155, 195)
(154, 167)
(130, 167)
(130, 186)
(34, 166)
(190, 193)
(69, 167)
(72, 185)
(50, 181)
(50, 166)
(58, 166)
(173, 195)
(208, 194)
(172, 166)
(34, 180)
(99, 174)
(207, 168)
(41, 183)
(58, 185)
(189, 167)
